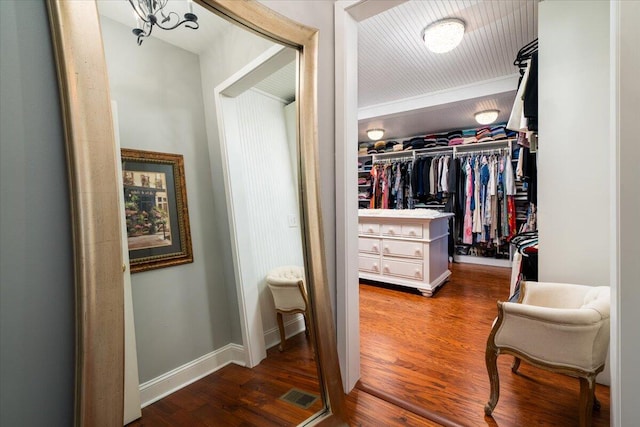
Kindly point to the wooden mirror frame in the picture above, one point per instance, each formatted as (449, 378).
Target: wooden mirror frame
(94, 192)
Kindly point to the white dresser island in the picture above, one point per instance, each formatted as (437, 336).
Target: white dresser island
(404, 247)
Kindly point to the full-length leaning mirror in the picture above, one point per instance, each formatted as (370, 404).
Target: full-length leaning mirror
(235, 100)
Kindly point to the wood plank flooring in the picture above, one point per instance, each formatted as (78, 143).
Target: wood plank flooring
(430, 351)
(426, 352)
(238, 396)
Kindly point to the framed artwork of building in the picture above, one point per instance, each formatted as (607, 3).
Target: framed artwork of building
(155, 209)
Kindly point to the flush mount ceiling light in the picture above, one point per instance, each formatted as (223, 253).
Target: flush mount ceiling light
(486, 117)
(375, 134)
(150, 13)
(444, 35)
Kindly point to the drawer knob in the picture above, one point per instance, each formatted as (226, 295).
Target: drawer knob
(386, 249)
(375, 267)
(418, 274)
(391, 231)
(370, 230)
(418, 252)
(386, 269)
(412, 233)
(374, 248)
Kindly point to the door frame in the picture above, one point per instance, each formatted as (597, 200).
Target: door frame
(252, 331)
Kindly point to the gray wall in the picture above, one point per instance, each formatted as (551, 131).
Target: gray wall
(36, 266)
(181, 312)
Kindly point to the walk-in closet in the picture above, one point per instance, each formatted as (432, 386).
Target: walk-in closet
(447, 195)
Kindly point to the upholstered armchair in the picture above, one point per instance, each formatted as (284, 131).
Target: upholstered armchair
(289, 295)
(559, 327)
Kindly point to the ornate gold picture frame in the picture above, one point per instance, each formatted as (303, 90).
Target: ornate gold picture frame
(155, 209)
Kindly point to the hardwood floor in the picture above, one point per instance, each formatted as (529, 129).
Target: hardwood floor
(430, 352)
(427, 353)
(238, 396)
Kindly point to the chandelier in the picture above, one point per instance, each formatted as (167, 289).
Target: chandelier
(151, 12)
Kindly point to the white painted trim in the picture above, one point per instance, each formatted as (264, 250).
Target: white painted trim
(614, 224)
(292, 327)
(248, 304)
(131, 379)
(475, 90)
(478, 260)
(346, 98)
(347, 14)
(264, 65)
(367, 8)
(172, 381)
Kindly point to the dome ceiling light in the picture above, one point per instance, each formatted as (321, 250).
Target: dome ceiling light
(375, 134)
(486, 117)
(444, 35)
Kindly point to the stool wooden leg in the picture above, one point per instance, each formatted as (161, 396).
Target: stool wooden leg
(281, 328)
(306, 324)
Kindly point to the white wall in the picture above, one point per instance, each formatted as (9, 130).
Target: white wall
(628, 315)
(181, 312)
(269, 192)
(573, 166)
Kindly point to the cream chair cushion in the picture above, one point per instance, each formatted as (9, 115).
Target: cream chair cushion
(558, 324)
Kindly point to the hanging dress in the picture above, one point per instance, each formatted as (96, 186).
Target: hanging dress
(467, 236)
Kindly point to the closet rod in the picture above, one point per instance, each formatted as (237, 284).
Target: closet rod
(434, 153)
(398, 159)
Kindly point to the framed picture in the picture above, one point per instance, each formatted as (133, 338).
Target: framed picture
(156, 213)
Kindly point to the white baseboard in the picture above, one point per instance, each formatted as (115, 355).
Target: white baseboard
(291, 327)
(172, 381)
(471, 259)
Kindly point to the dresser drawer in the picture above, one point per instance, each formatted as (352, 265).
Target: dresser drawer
(412, 230)
(402, 230)
(370, 228)
(392, 230)
(369, 245)
(407, 270)
(369, 264)
(402, 248)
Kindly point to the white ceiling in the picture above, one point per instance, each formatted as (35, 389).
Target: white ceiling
(394, 65)
(280, 84)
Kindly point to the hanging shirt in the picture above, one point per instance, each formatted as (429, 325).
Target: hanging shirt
(467, 235)
(517, 121)
(477, 212)
(444, 177)
(510, 184)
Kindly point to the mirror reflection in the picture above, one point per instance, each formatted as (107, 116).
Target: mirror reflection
(224, 338)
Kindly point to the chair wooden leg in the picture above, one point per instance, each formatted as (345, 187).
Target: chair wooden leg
(596, 402)
(516, 365)
(491, 359)
(587, 388)
(281, 328)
